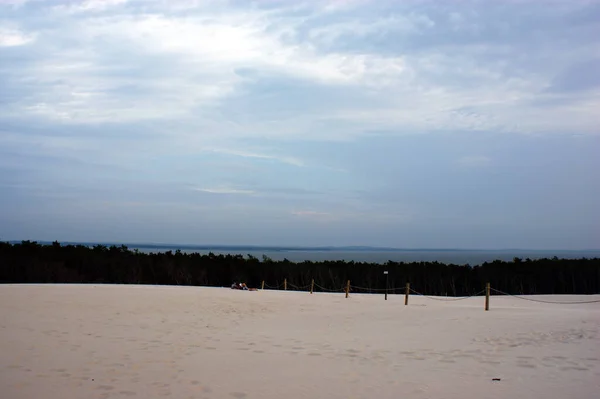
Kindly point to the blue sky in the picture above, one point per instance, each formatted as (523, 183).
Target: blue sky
(471, 124)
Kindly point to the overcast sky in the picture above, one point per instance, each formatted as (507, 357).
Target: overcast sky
(471, 124)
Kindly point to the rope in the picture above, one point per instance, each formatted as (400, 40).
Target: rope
(299, 288)
(327, 289)
(542, 301)
(374, 289)
(273, 288)
(447, 299)
(452, 299)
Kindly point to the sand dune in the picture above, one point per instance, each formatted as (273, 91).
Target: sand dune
(103, 341)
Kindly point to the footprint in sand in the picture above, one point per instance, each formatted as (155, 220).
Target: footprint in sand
(577, 368)
(526, 365)
(450, 361)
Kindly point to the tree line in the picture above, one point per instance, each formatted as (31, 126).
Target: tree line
(31, 262)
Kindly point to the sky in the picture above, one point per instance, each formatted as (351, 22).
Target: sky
(410, 124)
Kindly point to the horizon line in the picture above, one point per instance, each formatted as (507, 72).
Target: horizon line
(295, 247)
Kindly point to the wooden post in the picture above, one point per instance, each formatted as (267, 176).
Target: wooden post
(406, 294)
(387, 285)
(487, 296)
(312, 285)
(262, 285)
(285, 284)
(347, 288)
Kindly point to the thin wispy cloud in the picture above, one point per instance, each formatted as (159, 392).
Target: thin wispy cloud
(247, 154)
(225, 190)
(310, 213)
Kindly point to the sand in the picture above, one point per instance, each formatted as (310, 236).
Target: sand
(107, 341)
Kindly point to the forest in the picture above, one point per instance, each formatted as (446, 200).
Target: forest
(31, 262)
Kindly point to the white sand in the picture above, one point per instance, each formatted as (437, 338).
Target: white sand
(101, 341)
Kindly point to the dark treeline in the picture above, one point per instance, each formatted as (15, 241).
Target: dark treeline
(30, 262)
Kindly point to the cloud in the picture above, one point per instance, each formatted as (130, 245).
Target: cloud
(132, 67)
(241, 39)
(225, 190)
(314, 216)
(247, 154)
(88, 6)
(332, 34)
(14, 37)
(309, 213)
(409, 66)
(13, 3)
(262, 104)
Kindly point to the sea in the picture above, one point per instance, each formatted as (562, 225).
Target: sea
(470, 257)
(378, 255)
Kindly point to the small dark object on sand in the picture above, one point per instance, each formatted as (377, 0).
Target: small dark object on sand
(495, 379)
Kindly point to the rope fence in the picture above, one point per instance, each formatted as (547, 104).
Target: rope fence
(329, 290)
(347, 288)
(373, 289)
(305, 287)
(543, 301)
(447, 299)
(277, 287)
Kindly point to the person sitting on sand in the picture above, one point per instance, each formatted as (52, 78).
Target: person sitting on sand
(242, 286)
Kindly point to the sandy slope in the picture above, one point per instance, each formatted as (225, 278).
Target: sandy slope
(74, 341)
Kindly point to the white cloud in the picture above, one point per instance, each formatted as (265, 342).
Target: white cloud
(225, 190)
(146, 60)
(88, 6)
(241, 40)
(246, 154)
(14, 37)
(199, 57)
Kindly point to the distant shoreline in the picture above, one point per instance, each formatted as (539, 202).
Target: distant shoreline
(276, 248)
(367, 254)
